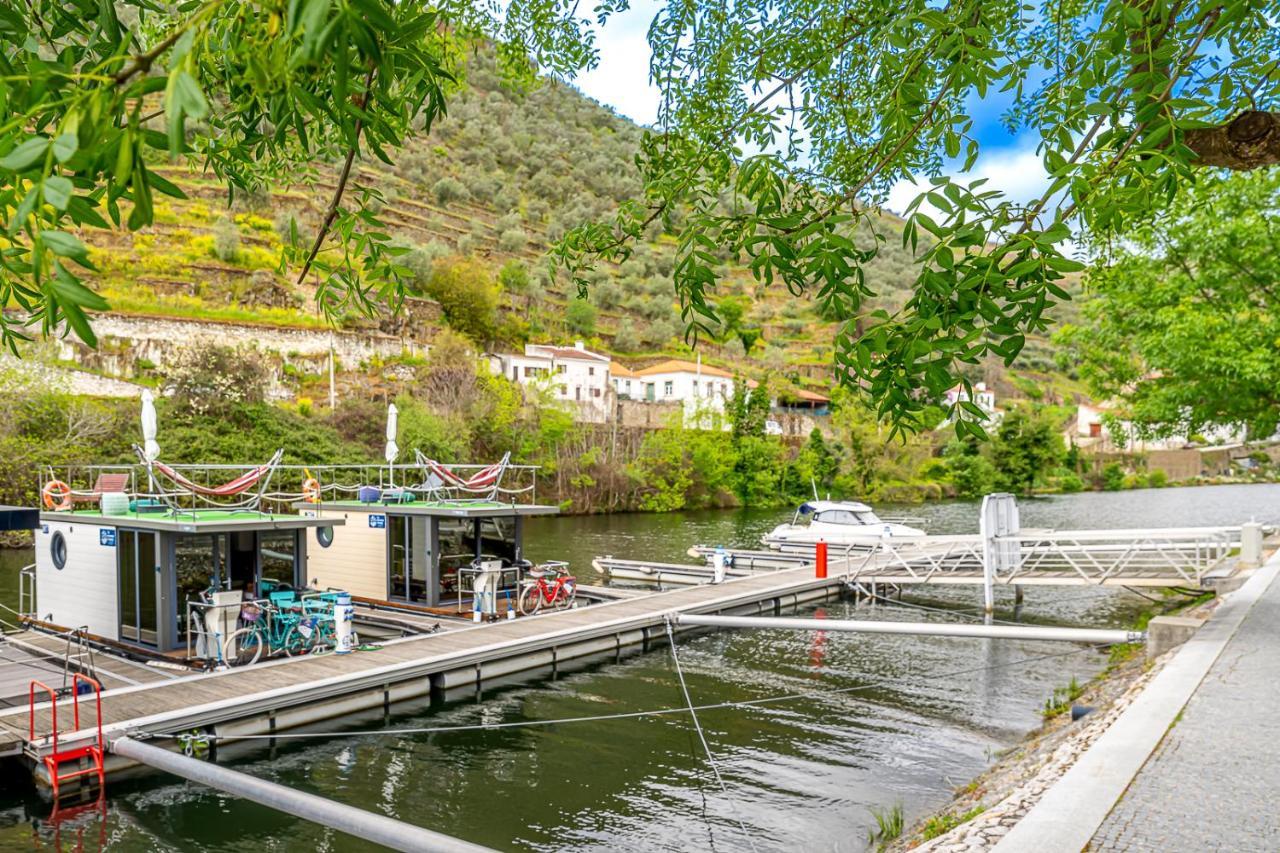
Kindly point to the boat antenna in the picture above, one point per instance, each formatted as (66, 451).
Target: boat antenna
(813, 482)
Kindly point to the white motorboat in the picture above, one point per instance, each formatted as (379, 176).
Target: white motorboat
(838, 523)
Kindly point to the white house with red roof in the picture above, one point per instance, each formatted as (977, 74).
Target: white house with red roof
(573, 375)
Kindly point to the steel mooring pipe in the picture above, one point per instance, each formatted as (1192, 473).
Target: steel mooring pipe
(933, 629)
(366, 826)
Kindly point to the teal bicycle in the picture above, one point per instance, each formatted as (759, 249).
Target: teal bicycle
(282, 625)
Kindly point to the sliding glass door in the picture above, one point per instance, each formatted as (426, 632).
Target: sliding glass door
(138, 569)
(400, 557)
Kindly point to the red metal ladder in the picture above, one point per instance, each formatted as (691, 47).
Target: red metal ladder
(56, 758)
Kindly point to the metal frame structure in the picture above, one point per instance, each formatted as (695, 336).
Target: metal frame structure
(1127, 557)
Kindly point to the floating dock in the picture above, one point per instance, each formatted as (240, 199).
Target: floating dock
(283, 694)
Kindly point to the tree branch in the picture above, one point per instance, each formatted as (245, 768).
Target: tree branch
(332, 212)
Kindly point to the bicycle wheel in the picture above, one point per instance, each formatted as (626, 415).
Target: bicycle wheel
(243, 647)
(530, 600)
(294, 643)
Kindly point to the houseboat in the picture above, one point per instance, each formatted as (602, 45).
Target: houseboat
(128, 568)
(399, 549)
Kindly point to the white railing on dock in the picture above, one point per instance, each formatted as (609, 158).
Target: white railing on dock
(1084, 556)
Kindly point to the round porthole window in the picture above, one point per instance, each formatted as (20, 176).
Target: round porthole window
(58, 550)
(324, 535)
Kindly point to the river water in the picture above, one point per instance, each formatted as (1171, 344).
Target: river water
(866, 722)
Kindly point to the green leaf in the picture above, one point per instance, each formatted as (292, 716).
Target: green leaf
(64, 244)
(65, 146)
(26, 155)
(57, 191)
(191, 98)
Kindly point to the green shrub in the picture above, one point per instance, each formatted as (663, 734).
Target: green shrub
(1113, 477)
(447, 190)
(580, 317)
(1070, 483)
(468, 295)
(1157, 479)
(226, 240)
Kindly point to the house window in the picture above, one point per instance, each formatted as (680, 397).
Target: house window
(668, 388)
(591, 371)
(628, 383)
(528, 371)
(709, 389)
(595, 392)
(564, 392)
(560, 368)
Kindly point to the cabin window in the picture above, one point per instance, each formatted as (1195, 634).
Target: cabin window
(277, 549)
(58, 550)
(324, 535)
(837, 516)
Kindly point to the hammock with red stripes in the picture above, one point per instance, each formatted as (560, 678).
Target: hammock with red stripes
(245, 481)
(485, 478)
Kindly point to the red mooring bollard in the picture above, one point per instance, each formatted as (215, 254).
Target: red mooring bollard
(820, 563)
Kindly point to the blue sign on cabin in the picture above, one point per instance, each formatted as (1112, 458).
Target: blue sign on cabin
(44, 528)
(377, 520)
(107, 536)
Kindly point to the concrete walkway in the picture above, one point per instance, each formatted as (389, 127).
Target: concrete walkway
(1213, 782)
(1190, 763)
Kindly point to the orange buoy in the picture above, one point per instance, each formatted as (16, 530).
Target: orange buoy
(311, 490)
(57, 495)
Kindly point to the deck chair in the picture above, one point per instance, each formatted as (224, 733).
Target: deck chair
(482, 485)
(115, 482)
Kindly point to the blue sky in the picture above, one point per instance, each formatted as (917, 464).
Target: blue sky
(622, 81)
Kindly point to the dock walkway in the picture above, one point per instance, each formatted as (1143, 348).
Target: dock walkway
(290, 692)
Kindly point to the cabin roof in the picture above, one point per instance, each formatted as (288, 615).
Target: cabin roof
(440, 509)
(823, 506)
(190, 521)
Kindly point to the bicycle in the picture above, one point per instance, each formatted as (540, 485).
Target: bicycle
(281, 625)
(560, 593)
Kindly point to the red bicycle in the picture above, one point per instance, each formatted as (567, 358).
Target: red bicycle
(549, 585)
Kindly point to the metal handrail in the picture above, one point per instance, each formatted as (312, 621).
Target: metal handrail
(27, 591)
(196, 623)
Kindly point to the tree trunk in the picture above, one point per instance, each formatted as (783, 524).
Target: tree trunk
(1249, 141)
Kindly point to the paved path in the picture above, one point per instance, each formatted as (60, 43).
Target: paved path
(1213, 782)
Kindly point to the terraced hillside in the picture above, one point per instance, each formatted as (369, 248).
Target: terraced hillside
(502, 176)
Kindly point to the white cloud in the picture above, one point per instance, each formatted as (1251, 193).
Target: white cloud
(1017, 172)
(621, 79)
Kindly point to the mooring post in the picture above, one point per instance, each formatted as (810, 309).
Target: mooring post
(820, 559)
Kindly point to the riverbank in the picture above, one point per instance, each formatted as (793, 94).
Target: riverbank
(985, 809)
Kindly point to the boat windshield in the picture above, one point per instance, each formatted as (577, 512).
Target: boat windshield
(846, 516)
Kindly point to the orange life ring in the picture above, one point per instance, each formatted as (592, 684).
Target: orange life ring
(311, 490)
(57, 495)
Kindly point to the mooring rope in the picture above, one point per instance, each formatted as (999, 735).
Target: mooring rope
(706, 747)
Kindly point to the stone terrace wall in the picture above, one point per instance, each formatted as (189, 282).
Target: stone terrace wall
(125, 340)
